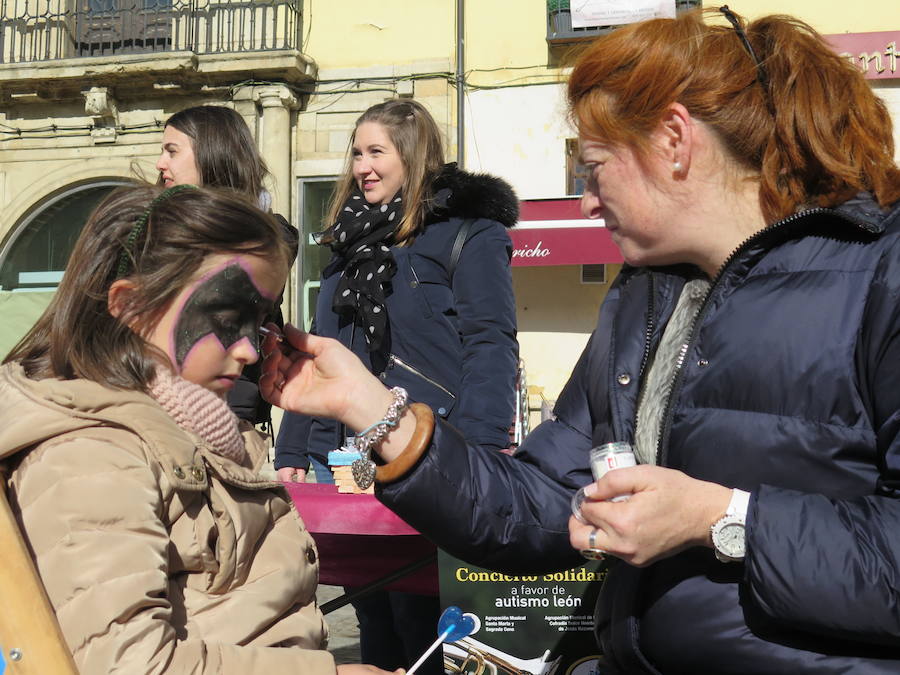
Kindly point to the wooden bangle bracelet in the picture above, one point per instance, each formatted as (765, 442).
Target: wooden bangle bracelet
(400, 465)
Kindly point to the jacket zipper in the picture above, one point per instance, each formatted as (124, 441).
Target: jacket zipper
(648, 331)
(668, 413)
(415, 371)
(415, 276)
(648, 336)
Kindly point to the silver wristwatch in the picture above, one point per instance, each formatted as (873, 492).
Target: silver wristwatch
(728, 537)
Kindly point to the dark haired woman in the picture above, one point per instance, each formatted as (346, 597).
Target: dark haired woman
(211, 145)
(419, 287)
(750, 352)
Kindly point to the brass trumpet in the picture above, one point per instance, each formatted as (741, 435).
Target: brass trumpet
(470, 657)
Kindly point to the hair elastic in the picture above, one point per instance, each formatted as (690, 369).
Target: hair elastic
(761, 75)
(141, 223)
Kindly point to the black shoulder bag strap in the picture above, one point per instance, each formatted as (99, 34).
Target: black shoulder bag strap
(458, 244)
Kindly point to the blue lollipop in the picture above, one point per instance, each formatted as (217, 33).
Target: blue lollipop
(452, 626)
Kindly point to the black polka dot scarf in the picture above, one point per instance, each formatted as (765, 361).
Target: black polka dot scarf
(362, 236)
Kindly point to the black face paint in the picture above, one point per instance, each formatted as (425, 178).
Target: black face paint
(227, 305)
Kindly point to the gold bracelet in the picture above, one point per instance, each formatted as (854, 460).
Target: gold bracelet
(402, 463)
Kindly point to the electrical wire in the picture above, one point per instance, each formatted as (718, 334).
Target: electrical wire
(342, 87)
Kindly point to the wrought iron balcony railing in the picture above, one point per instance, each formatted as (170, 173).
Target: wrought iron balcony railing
(47, 30)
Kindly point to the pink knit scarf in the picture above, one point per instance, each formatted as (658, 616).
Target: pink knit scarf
(200, 411)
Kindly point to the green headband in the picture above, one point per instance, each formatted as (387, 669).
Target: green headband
(141, 223)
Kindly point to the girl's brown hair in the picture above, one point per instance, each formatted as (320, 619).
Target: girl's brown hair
(77, 337)
(417, 138)
(225, 152)
(815, 134)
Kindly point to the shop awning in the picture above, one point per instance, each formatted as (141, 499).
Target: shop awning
(553, 232)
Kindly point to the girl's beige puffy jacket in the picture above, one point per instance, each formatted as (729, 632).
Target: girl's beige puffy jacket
(159, 555)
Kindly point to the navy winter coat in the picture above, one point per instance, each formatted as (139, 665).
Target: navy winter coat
(789, 388)
(451, 337)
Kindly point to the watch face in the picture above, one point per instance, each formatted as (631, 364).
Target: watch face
(729, 538)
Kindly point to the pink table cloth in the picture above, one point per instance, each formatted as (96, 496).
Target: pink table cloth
(360, 540)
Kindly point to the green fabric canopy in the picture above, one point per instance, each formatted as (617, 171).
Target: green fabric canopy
(19, 311)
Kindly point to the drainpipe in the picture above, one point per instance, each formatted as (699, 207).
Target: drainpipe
(460, 84)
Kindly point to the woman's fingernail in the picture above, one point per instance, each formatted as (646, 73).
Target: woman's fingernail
(590, 490)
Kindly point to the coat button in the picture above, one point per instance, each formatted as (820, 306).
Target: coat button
(442, 411)
(179, 472)
(703, 363)
(198, 473)
(624, 378)
(311, 556)
(382, 375)
(413, 284)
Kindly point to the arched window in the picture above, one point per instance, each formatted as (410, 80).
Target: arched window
(33, 258)
(36, 254)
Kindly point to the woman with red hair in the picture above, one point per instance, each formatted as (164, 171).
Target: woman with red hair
(749, 351)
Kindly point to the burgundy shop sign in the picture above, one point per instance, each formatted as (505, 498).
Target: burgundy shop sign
(553, 232)
(875, 54)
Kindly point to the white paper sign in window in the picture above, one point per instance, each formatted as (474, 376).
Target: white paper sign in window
(589, 13)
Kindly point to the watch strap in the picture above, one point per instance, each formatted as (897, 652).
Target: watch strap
(739, 504)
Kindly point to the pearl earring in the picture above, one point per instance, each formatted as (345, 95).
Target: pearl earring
(677, 166)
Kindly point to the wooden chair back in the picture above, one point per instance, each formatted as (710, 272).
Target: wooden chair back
(30, 637)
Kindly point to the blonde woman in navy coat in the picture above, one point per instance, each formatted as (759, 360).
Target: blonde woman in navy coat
(419, 287)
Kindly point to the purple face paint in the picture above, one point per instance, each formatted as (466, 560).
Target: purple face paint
(226, 306)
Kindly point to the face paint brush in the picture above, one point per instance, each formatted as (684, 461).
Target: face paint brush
(282, 342)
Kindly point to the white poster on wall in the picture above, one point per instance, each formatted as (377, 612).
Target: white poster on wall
(589, 13)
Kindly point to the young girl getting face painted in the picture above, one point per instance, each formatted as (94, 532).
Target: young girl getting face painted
(114, 401)
(211, 330)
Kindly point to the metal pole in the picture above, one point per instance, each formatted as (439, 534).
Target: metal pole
(460, 84)
(377, 585)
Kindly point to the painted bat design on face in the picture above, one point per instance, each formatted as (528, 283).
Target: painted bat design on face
(226, 305)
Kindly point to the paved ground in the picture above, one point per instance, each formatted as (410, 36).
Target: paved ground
(344, 631)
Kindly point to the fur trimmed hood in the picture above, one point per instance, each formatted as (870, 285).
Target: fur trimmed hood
(461, 194)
